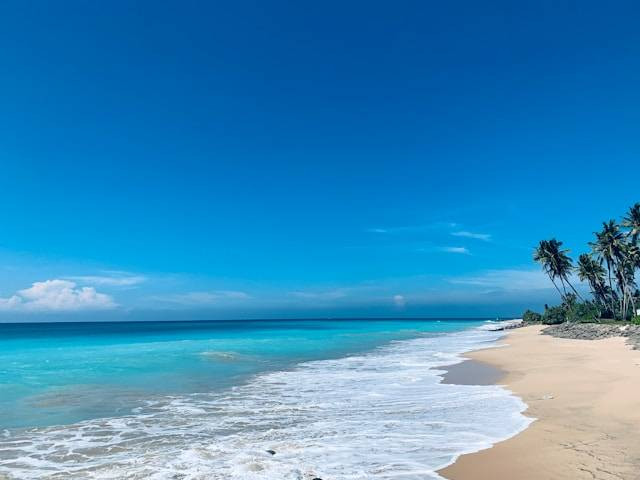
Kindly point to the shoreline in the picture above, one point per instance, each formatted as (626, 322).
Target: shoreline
(472, 372)
(585, 397)
(384, 408)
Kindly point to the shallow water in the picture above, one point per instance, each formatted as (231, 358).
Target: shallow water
(375, 408)
(63, 373)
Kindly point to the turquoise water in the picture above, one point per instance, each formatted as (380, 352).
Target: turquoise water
(341, 399)
(53, 374)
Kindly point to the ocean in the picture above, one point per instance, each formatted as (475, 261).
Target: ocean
(334, 399)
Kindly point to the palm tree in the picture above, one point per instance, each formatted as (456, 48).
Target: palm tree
(616, 247)
(543, 257)
(609, 247)
(628, 263)
(556, 263)
(632, 222)
(620, 251)
(592, 271)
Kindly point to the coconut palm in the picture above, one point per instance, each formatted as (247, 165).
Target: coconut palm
(609, 246)
(541, 254)
(616, 247)
(628, 263)
(592, 271)
(621, 255)
(556, 263)
(632, 222)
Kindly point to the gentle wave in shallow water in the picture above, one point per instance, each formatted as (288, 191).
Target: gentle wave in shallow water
(382, 415)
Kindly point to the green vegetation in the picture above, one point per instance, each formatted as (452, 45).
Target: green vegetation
(554, 315)
(531, 317)
(569, 311)
(608, 269)
(585, 312)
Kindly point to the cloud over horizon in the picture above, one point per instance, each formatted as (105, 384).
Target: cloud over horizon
(111, 278)
(56, 295)
(320, 295)
(508, 280)
(399, 301)
(458, 250)
(202, 298)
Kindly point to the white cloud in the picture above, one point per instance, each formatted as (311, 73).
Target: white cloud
(320, 295)
(414, 229)
(477, 236)
(508, 279)
(57, 295)
(399, 301)
(110, 279)
(459, 250)
(202, 297)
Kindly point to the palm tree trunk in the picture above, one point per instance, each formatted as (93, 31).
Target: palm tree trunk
(574, 290)
(613, 308)
(565, 298)
(564, 287)
(622, 285)
(593, 288)
(555, 285)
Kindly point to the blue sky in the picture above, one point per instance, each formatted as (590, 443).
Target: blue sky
(260, 159)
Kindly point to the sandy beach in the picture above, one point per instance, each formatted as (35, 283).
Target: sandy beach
(585, 397)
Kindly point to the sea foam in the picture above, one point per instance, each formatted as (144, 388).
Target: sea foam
(380, 415)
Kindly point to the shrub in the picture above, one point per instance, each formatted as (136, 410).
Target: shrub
(635, 320)
(586, 312)
(531, 317)
(554, 315)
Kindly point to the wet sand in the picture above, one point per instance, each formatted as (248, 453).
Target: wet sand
(473, 372)
(585, 396)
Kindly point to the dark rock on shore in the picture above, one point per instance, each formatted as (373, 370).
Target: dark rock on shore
(504, 325)
(595, 331)
(272, 452)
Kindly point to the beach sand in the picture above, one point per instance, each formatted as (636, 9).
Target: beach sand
(585, 396)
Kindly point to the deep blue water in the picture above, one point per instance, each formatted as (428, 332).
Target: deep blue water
(66, 372)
